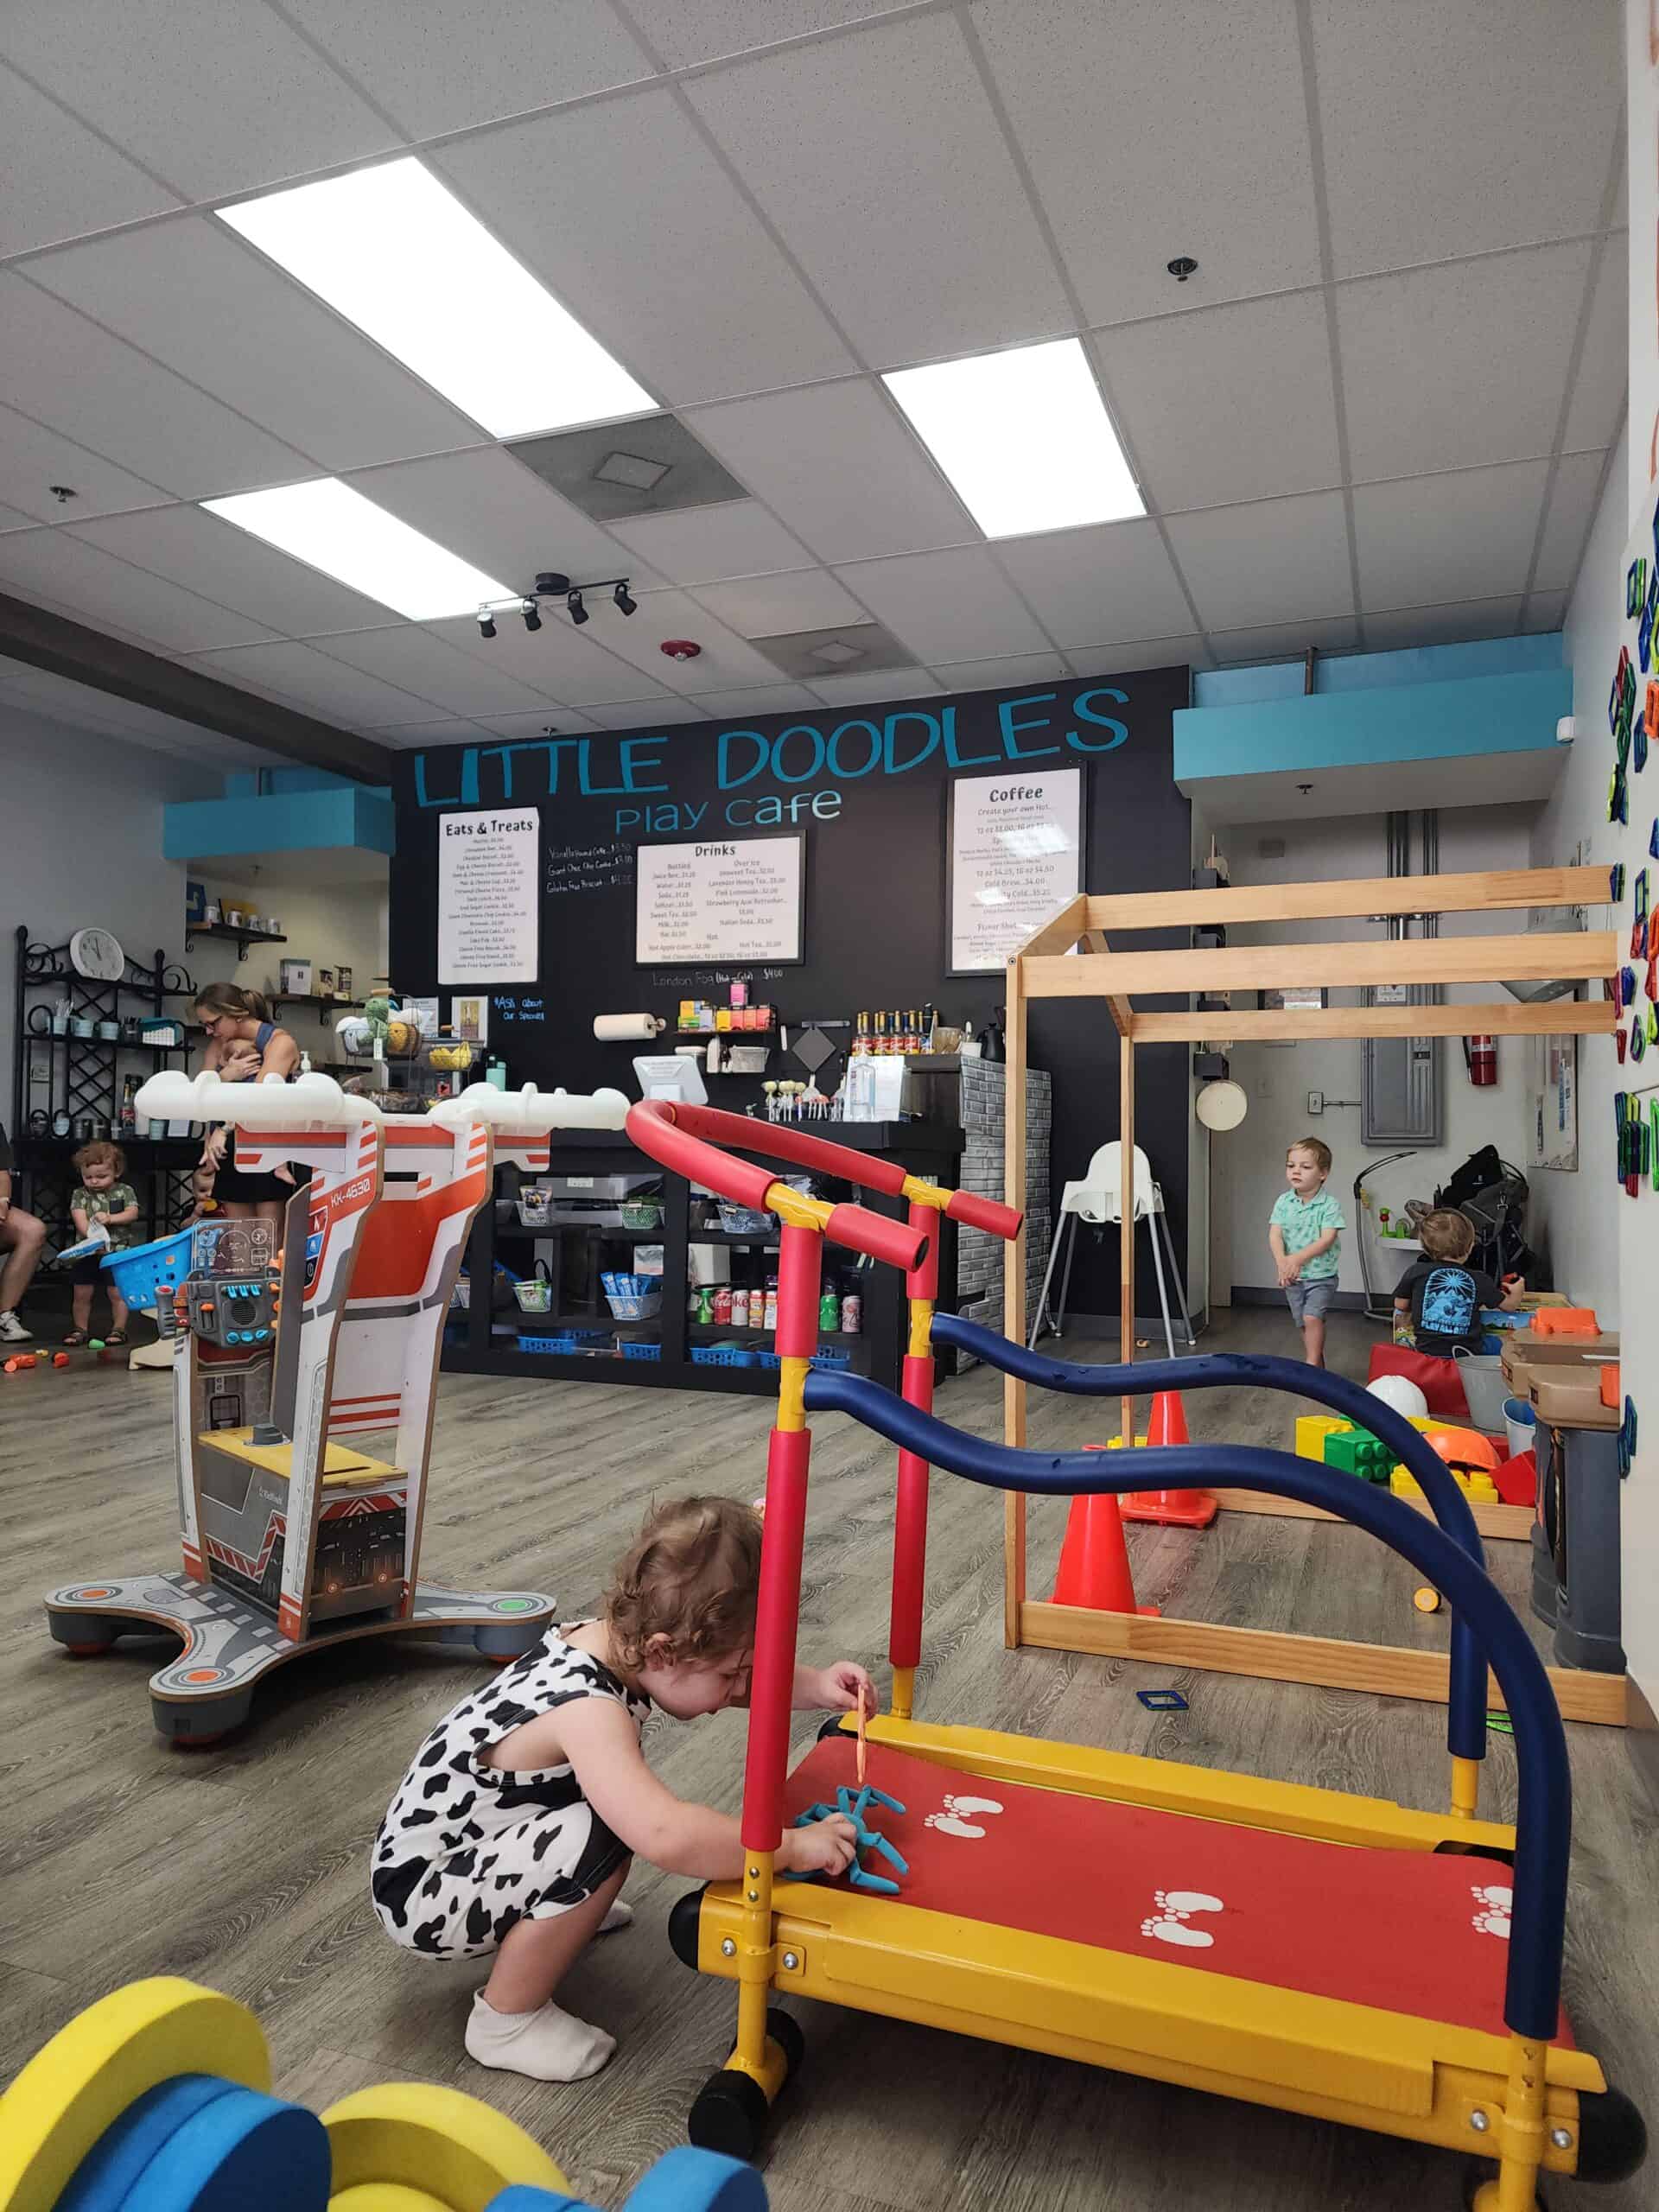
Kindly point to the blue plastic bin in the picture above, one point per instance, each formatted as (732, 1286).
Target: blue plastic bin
(146, 1274)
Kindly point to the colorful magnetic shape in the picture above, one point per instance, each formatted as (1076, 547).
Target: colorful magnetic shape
(1616, 878)
(1639, 1038)
(1635, 586)
(1641, 893)
(1627, 1438)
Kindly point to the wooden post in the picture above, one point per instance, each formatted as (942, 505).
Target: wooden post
(1013, 1300)
(1126, 1235)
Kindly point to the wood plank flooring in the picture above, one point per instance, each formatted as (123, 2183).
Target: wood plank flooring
(246, 1867)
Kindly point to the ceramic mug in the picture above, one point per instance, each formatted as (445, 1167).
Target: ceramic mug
(79, 1027)
(210, 914)
(61, 1123)
(109, 1032)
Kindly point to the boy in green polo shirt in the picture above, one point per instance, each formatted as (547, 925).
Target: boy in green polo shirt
(1304, 1236)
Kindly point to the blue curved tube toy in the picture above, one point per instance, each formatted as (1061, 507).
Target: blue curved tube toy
(1544, 1812)
(1465, 1719)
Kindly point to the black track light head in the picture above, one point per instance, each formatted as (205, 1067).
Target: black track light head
(486, 623)
(578, 612)
(532, 614)
(625, 602)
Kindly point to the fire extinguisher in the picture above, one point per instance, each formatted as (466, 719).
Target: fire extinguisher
(1480, 1057)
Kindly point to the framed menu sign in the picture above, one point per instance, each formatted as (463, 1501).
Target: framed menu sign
(1016, 857)
(722, 899)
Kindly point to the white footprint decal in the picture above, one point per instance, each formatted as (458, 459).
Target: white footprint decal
(1497, 1901)
(967, 1808)
(1173, 1928)
(948, 1824)
(1185, 1901)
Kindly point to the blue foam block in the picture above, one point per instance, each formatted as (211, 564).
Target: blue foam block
(685, 2180)
(241, 2151)
(101, 2182)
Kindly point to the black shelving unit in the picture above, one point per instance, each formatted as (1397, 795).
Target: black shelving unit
(242, 937)
(86, 1078)
(483, 1340)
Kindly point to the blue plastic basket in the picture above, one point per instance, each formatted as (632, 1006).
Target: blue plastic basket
(563, 1340)
(145, 1274)
(825, 1356)
(724, 1355)
(633, 1348)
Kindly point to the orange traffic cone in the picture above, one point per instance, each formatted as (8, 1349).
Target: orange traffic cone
(1095, 1559)
(1175, 1508)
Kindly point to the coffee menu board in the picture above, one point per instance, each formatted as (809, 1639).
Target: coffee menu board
(734, 898)
(1016, 858)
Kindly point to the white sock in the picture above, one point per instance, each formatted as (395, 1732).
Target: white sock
(619, 1916)
(547, 2045)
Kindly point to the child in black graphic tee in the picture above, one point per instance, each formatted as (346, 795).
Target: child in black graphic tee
(511, 1833)
(1444, 1299)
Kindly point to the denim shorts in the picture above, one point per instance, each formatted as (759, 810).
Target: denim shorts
(1310, 1301)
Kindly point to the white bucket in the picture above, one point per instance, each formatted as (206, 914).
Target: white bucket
(1485, 1388)
(1521, 1423)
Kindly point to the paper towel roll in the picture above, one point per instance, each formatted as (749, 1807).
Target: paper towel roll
(614, 1027)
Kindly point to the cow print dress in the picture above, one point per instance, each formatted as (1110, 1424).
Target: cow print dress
(467, 1849)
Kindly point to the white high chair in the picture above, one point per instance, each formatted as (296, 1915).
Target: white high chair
(1097, 1199)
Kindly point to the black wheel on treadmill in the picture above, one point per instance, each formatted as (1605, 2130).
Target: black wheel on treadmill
(1613, 2136)
(730, 2115)
(832, 1727)
(786, 2032)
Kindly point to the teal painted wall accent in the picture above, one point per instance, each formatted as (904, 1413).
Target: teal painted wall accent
(291, 822)
(1514, 713)
(1233, 687)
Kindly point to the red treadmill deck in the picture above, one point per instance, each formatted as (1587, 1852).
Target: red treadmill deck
(1408, 1931)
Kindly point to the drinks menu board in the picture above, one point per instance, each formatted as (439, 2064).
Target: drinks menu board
(1016, 857)
(726, 899)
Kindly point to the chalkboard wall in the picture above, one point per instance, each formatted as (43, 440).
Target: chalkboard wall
(868, 786)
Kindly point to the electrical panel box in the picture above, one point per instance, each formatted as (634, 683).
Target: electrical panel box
(1401, 1086)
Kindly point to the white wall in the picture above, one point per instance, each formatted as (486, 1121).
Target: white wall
(1576, 1215)
(81, 843)
(328, 925)
(1249, 1171)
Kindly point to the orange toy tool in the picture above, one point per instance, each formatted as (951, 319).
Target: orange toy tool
(863, 1740)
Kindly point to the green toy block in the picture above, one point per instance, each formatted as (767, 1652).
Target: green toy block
(1357, 1452)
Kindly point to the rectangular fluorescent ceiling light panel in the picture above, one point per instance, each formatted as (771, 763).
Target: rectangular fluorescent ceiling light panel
(331, 527)
(396, 253)
(1023, 437)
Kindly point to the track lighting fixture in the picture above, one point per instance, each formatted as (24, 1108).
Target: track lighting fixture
(553, 584)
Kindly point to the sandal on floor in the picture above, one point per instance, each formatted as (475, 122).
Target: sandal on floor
(115, 1340)
(77, 1337)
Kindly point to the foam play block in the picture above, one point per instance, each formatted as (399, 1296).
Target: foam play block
(1565, 1321)
(1479, 1489)
(1281, 1911)
(1516, 1480)
(1312, 1429)
(1437, 1379)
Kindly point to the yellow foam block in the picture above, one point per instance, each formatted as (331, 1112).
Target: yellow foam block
(1115, 1443)
(430, 2142)
(1478, 1489)
(1312, 1429)
(384, 2196)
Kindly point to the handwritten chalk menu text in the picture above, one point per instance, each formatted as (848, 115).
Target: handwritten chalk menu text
(487, 902)
(733, 899)
(1016, 857)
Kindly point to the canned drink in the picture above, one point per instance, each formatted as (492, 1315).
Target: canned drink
(722, 1307)
(852, 1315)
(740, 1309)
(770, 1320)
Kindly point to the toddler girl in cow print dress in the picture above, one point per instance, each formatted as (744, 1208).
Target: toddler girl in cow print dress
(512, 1831)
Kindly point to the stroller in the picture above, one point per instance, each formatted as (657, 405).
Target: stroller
(1492, 1197)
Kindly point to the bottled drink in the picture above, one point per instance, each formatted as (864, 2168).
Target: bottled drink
(880, 1037)
(861, 1039)
(770, 1320)
(852, 1314)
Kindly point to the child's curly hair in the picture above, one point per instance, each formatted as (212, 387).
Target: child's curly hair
(1446, 1234)
(692, 1576)
(99, 1153)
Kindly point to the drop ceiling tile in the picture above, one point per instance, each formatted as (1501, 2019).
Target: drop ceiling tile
(32, 458)
(726, 659)
(1231, 403)
(837, 465)
(303, 676)
(1113, 105)
(1598, 401)
(215, 98)
(559, 722)
(1567, 524)
(98, 588)
(495, 513)
(758, 699)
(15, 518)
(267, 347)
(1275, 561)
(831, 140)
(61, 179)
(1449, 367)
(951, 606)
(559, 660)
(1148, 652)
(700, 545)
(1545, 611)
(417, 660)
(877, 684)
(1457, 130)
(775, 607)
(688, 31)
(416, 737)
(60, 369)
(709, 305)
(192, 548)
(998, 674)
(439, 69)
(1466, 535)
(1286, 641)
(646, 714)
(1112, 580)
(1442, 625)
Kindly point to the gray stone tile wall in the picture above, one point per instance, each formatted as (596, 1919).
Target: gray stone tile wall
(978, 1256)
